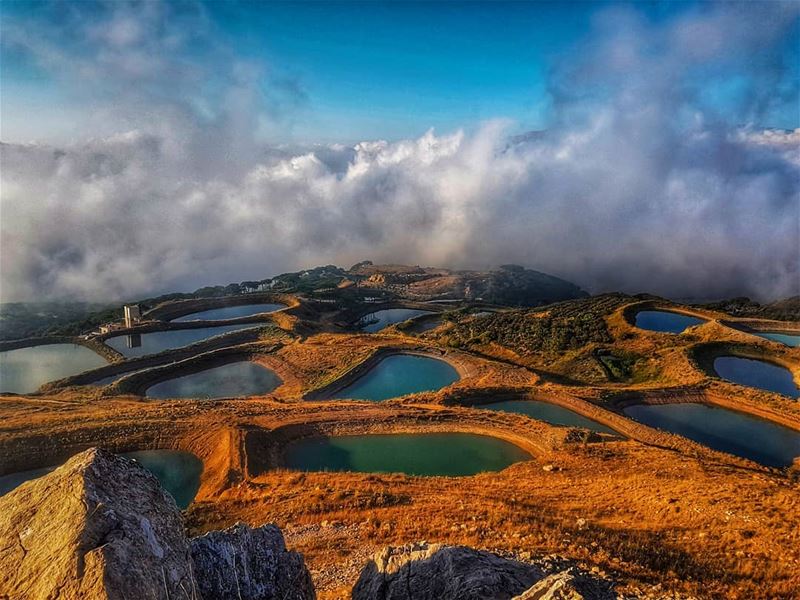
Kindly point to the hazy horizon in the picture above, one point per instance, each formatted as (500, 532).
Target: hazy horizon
(156, 146)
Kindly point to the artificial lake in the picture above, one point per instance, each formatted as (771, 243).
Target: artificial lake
(25, 369)
(230, 312)
(157, 341)
(243, 378)
(756, 373)
(665, 321)
(398, 375)
(724, 430)
(428, 454)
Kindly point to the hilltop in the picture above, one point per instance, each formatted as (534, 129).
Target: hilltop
(511, 285)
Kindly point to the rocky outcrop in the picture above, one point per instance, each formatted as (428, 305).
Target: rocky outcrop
(436, 572)
(249, 564)
(101, 527)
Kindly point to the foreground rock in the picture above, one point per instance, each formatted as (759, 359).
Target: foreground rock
(249, 564)
(436, 572)
(101, 527)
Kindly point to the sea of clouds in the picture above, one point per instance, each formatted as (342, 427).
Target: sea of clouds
(641, 183)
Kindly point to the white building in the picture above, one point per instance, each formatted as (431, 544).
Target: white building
(132, 314)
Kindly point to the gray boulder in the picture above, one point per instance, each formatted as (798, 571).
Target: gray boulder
(436, 572)
(241, 563)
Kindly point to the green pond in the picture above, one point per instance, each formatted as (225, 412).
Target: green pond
(665, 321)
(158, 341)
(790, 339)
(549, 413)
(383, 318)
(178, 472)
(230, 312)
(757, 374)
(23, 370)
(233, 380)
(429, 454)
(398, 375)
(724, 430)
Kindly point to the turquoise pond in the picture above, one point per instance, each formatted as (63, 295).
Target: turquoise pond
(724, 430)
(757, 374)
(233, 380)
(383, 318)
(549, 413)
(23, 370)
(428, 454)
(158, 341)
(398, 375)
(664, 321)
(789, 339)
(178, 472)
(230, 312)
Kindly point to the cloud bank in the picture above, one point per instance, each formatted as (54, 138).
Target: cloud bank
(647, 180)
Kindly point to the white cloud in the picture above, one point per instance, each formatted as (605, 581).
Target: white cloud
(117, 217)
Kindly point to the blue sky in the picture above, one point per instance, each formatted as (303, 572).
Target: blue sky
(394, 70)
(355, 70)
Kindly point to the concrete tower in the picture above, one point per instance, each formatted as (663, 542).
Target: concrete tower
(132, 314)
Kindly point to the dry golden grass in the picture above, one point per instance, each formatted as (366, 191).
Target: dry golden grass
(646, 515)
